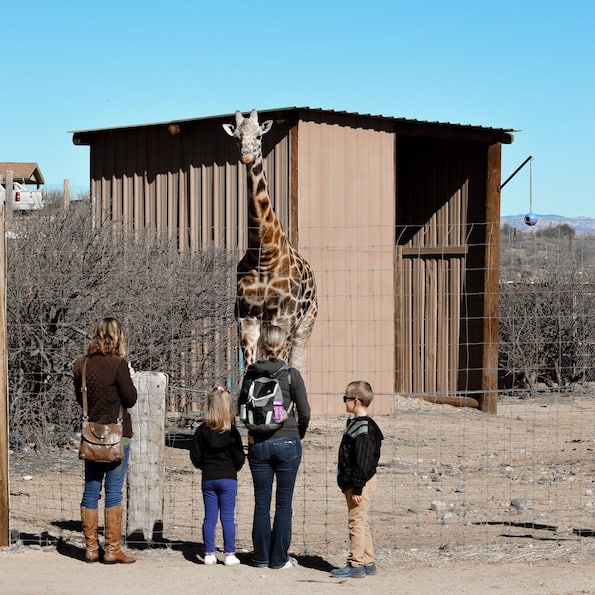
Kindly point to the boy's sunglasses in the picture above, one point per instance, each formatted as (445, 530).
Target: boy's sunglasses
(346, 398)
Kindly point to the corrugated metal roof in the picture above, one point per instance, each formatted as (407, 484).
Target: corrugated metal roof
(407, 120)
(402, 125)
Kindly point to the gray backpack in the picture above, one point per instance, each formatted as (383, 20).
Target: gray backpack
(265, 409)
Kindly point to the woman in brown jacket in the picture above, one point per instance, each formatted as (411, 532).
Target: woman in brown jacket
(109, 385)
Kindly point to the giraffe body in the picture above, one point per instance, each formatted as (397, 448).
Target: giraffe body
(275, 284)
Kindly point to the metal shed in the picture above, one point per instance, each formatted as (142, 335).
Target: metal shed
(399, 219)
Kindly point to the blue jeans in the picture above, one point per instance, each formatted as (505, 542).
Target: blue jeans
(273, 458)
(219, 496)
(114, 475)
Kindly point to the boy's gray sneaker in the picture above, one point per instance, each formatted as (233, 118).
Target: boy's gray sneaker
(349, 571)
(370, 568)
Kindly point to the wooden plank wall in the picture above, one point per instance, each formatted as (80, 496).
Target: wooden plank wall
(436, 180)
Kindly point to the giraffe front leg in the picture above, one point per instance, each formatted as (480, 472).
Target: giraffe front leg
(249, 333)
(301, 336)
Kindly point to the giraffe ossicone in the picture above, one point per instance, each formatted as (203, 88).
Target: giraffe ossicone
(275, 284)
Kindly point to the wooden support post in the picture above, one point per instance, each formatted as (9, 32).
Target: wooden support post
(66, 194)
(489, 375)
(4, 492)
(8, 197)
(146, 464)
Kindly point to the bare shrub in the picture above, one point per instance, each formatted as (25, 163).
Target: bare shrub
(547, 300)
(546, 330)
(64, 274)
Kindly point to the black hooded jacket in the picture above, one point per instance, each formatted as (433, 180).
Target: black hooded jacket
(219, 455)
(359, 453)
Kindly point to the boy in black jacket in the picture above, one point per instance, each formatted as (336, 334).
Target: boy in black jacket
(359, 453)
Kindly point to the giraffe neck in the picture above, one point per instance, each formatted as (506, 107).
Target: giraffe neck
(265, 232)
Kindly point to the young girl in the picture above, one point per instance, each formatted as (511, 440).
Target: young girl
(217, 451)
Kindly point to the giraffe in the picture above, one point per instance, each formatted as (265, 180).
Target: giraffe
(275, 284)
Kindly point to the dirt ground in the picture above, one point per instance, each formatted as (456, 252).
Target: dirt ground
(29, 572)
(466, 503)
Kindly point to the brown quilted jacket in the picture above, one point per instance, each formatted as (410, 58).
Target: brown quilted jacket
(108, 385)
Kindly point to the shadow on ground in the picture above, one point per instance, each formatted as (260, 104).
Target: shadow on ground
(191, 551)
(538, 527)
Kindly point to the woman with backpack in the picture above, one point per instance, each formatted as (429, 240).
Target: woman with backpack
(274, 448)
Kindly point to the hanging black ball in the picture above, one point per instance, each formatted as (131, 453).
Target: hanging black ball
(530, 219)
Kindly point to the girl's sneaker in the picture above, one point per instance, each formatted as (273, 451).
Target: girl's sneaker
(231, 560)
(210, 559)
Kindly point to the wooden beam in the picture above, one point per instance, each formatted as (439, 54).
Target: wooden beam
(454, 400)
(433, 251)
(489, 374)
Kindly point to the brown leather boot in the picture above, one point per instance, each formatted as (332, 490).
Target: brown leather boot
(113, 533)
(89, 518)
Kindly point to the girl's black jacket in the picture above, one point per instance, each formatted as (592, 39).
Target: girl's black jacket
(219, 455)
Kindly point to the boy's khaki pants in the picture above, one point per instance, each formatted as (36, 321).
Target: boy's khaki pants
(362, 548)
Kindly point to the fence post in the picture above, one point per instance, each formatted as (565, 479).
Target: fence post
(4, 495)
(66, 194)
(8, 196)
(146, 464)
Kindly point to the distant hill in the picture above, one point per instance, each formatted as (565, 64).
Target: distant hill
(582, 225)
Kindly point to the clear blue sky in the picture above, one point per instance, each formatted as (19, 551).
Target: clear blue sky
(520, 64)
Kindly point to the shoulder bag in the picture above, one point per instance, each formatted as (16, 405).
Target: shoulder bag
(100, 443)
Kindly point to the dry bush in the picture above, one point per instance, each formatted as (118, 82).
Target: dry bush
(64, 274)
(547, 299)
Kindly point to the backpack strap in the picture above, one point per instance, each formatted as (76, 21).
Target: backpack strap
(286, 367)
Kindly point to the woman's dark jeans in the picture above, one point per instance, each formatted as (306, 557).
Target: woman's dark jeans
(273, 458)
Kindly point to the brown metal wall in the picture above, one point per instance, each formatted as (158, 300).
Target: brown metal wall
(190, 185)
(346, 193)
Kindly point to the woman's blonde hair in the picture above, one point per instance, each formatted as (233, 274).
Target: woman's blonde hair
(272, 341)
(219, 415)
(108, 338)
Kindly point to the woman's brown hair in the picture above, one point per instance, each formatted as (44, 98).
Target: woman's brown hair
(108, 338)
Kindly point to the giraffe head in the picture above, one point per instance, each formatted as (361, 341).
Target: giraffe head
(248, 133)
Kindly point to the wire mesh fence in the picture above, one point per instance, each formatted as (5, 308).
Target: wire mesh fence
(451, 480)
